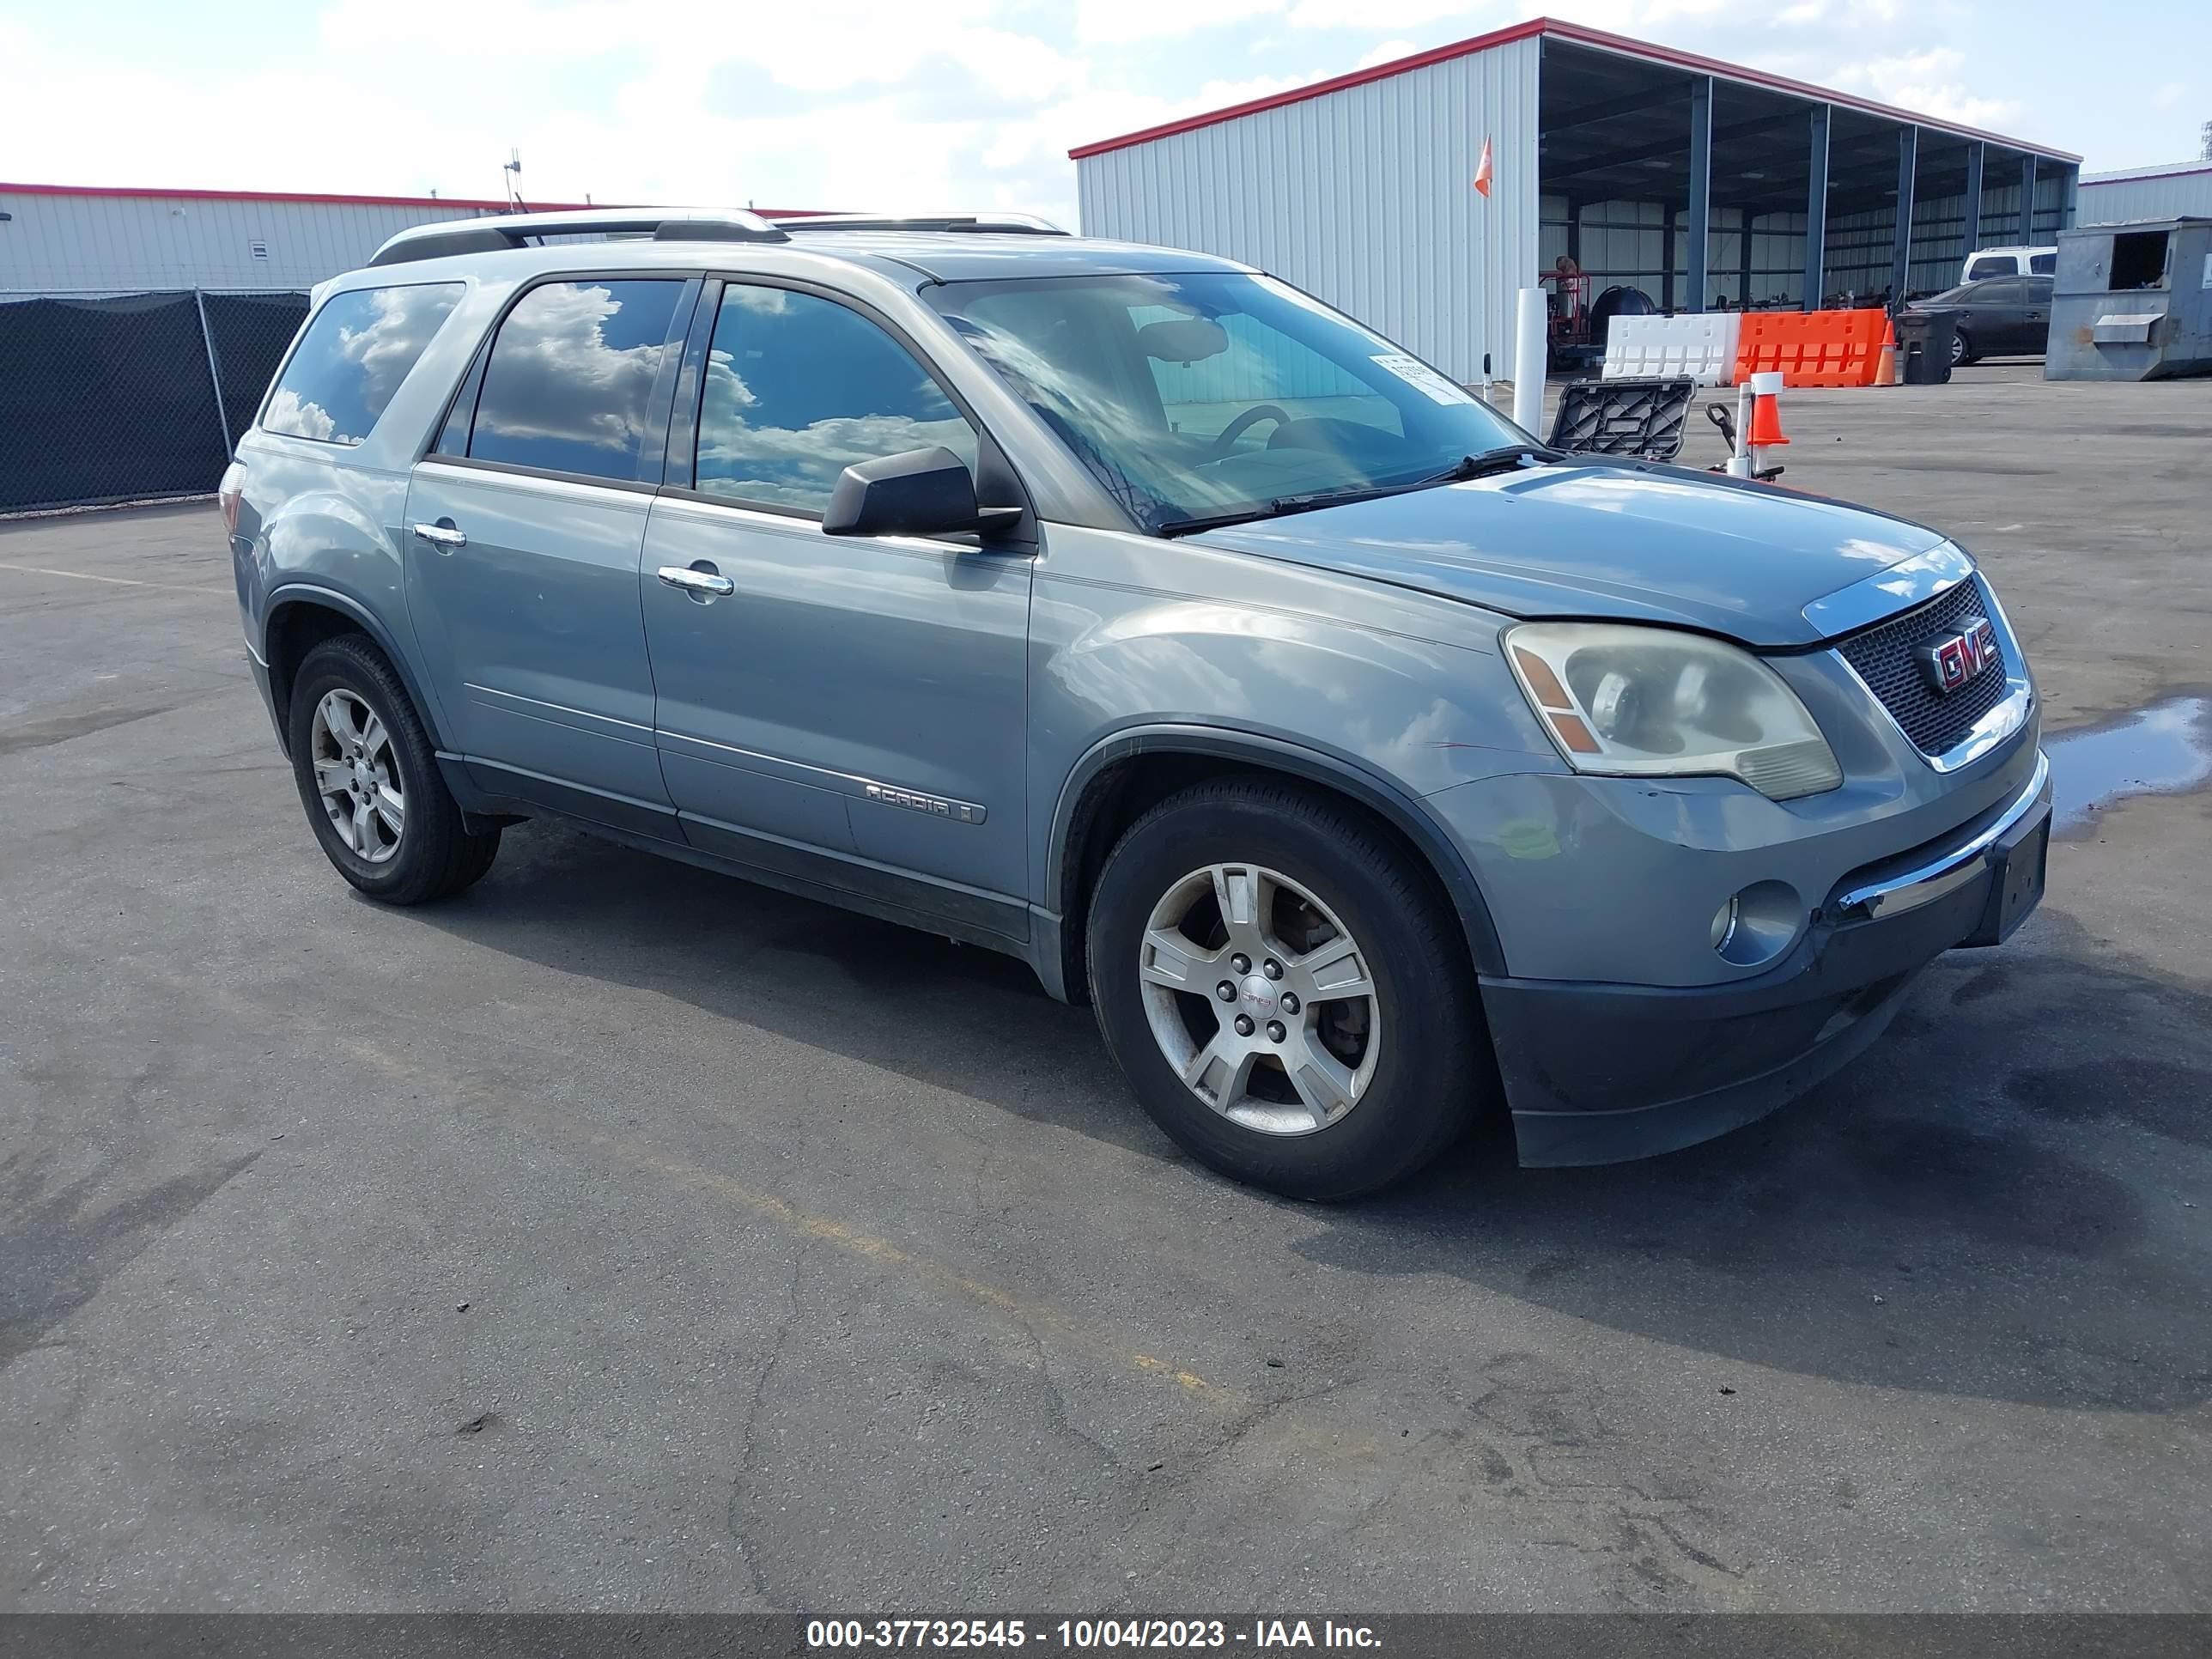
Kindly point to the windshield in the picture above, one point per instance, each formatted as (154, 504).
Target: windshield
(1196, 396)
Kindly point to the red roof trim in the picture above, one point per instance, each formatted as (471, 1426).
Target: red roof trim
(268, 195)
(345, 201)
(1574, 33)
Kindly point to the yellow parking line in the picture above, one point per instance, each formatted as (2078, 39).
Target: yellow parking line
(1032, 1315)
(118, 581)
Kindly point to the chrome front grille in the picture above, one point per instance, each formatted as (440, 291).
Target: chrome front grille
(1883, 657)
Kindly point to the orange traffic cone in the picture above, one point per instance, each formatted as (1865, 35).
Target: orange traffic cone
(1885, 372)
(1766, 421)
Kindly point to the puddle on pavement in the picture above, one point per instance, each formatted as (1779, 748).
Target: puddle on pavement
(2157, 751)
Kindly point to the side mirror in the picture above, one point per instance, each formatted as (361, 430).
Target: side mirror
(916, 492)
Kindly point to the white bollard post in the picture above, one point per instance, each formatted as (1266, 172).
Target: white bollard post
(1529, 362)
(1739, 463)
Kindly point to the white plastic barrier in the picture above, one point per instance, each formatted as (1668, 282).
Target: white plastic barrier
(1702, 347)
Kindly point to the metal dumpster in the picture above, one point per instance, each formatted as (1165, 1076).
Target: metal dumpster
(2132, 302)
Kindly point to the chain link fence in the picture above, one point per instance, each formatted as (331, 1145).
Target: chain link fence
(132, 397)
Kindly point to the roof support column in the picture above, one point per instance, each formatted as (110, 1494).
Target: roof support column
(1971, 216)
(2069, 201)
(1908, 167)
(1701, 188)
(1816, 213)
(2027, 201)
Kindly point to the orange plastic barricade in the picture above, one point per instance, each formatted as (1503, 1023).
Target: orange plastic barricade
(1811, 347)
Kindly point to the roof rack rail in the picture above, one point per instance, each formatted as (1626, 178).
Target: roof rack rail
(1014, 224)
(497, 231)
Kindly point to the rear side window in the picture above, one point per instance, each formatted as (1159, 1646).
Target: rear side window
(569, 384)
(2001, 294)
(1999, 264)
(353, 358)
(798, 388)
(2043, 264)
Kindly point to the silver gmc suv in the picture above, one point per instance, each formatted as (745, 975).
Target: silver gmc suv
(1366, 764)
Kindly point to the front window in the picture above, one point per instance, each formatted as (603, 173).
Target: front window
(1198, 396)
(799, 388)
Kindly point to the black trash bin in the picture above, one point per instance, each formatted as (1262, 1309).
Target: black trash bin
(1923, 347)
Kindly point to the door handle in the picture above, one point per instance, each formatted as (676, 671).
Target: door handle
(442, 535)
(701, 585)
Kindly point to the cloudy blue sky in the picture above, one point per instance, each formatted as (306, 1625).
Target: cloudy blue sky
(930, 103)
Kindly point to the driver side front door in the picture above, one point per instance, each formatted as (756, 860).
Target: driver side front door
(851, 710)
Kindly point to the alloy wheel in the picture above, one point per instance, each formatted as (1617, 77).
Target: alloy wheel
(357, 776)
(1260, 1000)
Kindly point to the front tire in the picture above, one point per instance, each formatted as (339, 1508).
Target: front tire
(1349, 1053)
(368, 776)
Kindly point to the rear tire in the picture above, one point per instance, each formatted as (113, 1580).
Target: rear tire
(368, 777)
(1364, 1056)
(1961, 353)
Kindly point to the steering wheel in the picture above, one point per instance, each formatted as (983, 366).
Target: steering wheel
(1244, 423)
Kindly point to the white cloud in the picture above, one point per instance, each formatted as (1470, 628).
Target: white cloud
(1926, 83)
(1372, 15)
(1384, 53)
(1121, 21)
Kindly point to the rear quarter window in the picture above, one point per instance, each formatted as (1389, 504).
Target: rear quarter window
(2043, 264)
(357, 354)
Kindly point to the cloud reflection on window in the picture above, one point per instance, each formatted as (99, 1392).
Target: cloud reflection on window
(799, 388)
(571, 375)
(357, 354)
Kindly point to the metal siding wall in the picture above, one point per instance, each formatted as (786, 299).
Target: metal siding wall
(2124, 199)
(1364, 196)
(128, 244)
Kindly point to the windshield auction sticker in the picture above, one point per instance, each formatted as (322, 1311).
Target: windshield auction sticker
(1422, 378)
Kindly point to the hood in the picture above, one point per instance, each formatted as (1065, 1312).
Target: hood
(1588, 538)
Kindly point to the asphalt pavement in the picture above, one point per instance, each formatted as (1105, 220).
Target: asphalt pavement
(622, 1237)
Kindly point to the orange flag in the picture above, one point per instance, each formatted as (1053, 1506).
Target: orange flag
(1482, 171)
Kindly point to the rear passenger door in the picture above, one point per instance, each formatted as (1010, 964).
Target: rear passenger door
(1993, 317)
(525, 526)
(853, 710)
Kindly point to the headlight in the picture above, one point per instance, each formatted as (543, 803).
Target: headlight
(1653, 703)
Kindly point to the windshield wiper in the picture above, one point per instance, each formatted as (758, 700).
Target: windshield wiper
(1467, 466)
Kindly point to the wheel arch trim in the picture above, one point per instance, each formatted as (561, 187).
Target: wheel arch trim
(291, 594)
(1402, 812)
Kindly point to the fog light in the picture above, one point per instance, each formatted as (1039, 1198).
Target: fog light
(1757, 924)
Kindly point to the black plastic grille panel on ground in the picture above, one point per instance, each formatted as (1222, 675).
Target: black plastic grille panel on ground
(1882, 657)
(1623, 417)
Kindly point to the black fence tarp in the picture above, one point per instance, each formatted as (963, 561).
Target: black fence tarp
(249, 333)
(115, 399)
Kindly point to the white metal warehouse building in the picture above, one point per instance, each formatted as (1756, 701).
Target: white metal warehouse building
(1700, 182)
(59, 239)
(2180, 190)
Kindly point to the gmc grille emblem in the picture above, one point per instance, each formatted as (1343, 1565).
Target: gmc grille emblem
(1949, 660)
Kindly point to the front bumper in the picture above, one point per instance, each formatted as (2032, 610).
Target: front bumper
(1595, 1074)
